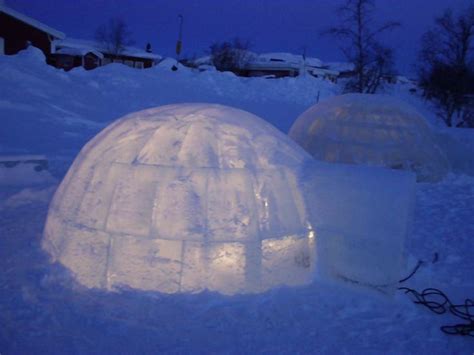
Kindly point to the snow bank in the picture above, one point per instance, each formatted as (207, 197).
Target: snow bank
(27, 197)
(373, 130)
(66, 109)
(183, 198)
(458, 144)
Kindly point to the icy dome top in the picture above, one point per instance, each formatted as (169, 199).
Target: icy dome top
(374, 130)
(196, 136)
(182, 198)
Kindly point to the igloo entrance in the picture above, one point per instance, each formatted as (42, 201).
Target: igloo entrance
(183, 198)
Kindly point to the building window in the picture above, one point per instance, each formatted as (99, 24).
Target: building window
(66, 61)
(139, 65)
(129, 63)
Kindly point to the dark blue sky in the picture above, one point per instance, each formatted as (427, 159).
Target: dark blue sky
(270, 25)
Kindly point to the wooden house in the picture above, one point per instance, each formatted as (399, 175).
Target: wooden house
(272, 65)
(18, 31)
(69, 53)
(279, 65)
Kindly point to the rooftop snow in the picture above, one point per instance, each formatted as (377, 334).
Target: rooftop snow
(79, 51)
(32, 22)
(340, 66)
(289, 58)
(90, 44)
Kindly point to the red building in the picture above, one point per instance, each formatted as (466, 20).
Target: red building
(17, 31)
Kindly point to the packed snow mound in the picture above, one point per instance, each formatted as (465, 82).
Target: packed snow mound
(170, 64)
(374, 130)
(183, 198)
(33, 54)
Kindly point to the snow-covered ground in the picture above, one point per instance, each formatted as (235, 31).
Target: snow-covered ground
(42, 310)
(51, 111)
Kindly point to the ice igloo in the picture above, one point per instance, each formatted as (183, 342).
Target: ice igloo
(183, 198)
(373, 130)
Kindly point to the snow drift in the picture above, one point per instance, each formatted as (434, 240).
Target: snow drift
(373, 130)
(183, 198)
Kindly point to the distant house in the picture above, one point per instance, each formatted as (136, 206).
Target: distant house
(275, 64)
(17, 31)
(345, 69)
(69, 53)
(324, 73)
(286, 64)
(68, 58)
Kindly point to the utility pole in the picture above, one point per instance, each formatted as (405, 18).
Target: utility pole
(303, 69)
(179, 43)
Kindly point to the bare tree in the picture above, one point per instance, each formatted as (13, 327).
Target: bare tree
(230, 56)
(446, 66)
(358, 32)
(114, 36)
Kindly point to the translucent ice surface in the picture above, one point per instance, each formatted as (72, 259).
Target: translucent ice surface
(362, 217)
(190, 197)
(374, 130)
(183, 198)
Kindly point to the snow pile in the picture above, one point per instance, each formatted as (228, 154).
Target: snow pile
(63, 110)
(28, 196)
(183, 198)
(170, 64)
(373, 130)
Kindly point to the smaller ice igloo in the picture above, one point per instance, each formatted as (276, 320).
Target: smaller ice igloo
(375, 130)
(183, 198)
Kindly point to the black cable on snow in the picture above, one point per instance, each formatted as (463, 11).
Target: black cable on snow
(420, 262)
(437, 301)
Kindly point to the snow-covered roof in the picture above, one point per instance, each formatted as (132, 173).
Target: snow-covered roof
(289, 58)
(203, 60)
(32, 22)
(313, 62)
(340, 66)
(256, 65)
(278, 57)
(282, 60)
(90, 44)
(319, 71)
(79, 51)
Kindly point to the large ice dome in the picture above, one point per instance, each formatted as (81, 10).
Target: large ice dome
(373, 130)
(182, 198)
